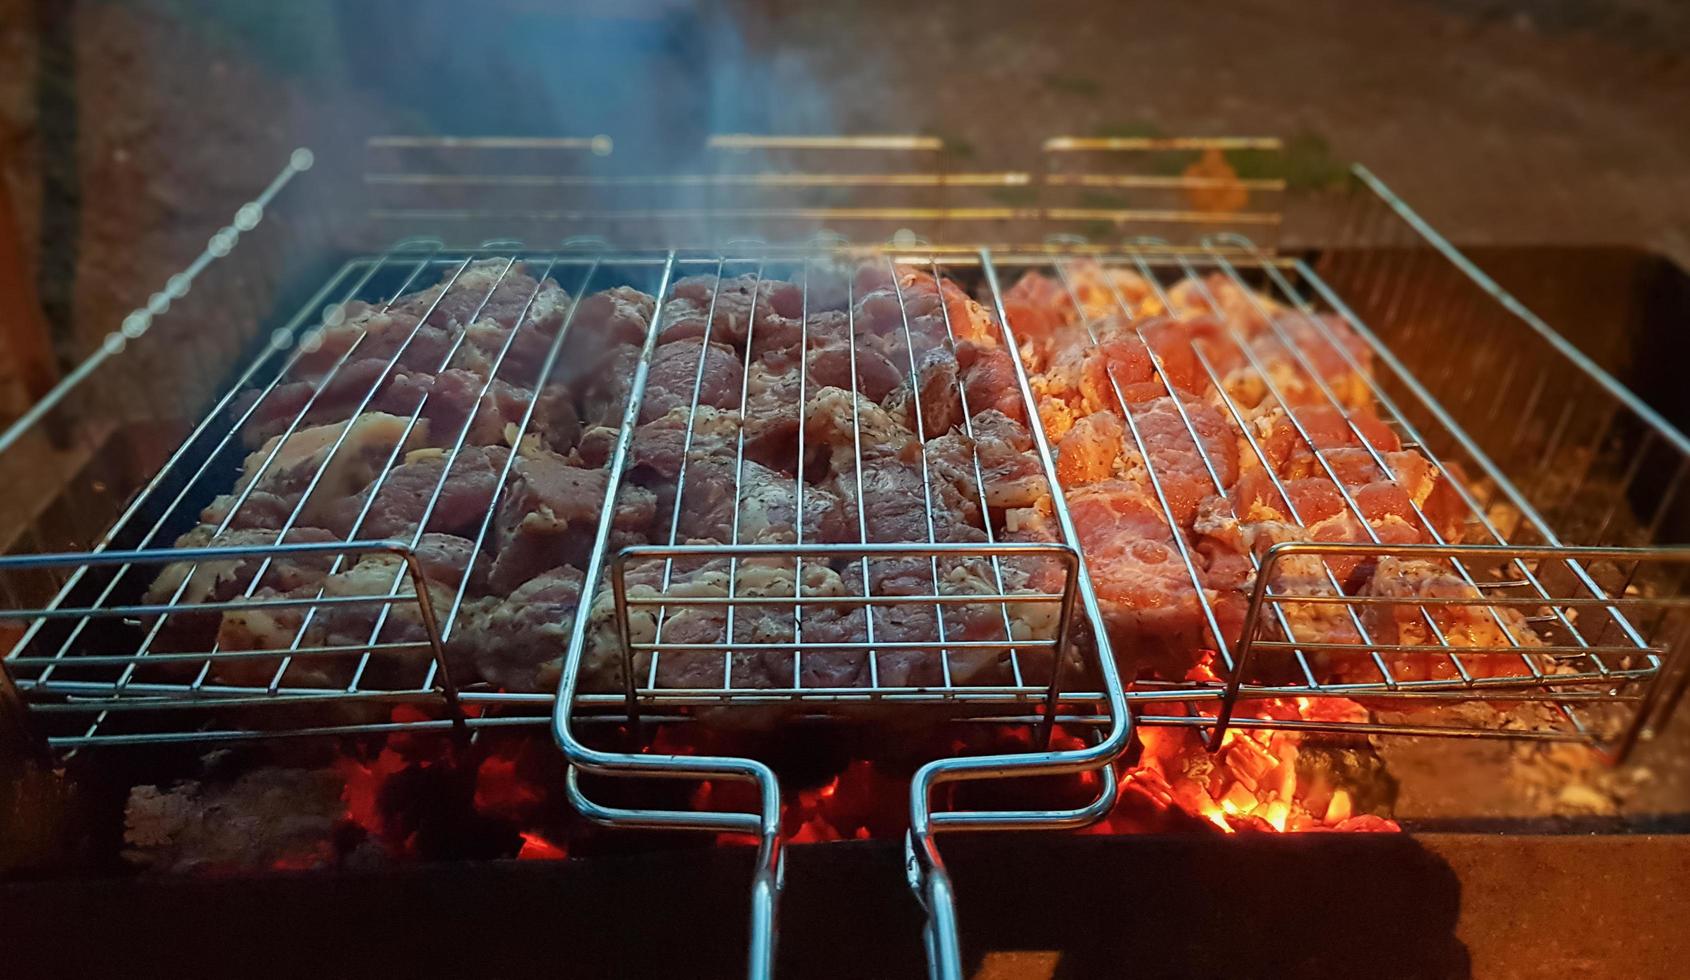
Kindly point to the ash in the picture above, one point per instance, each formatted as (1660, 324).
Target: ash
(268, 819)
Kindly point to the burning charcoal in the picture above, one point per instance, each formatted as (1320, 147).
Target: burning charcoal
(1325, 768)
(432, 809)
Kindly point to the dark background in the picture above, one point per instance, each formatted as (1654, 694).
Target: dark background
(130, 130)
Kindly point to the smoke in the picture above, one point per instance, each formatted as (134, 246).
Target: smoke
(245, 82)
(657, 76)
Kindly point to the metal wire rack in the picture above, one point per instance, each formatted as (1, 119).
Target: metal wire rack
(93, 650)
(791, 612)
(1551, 473)
(1502, 571)
(960, 566)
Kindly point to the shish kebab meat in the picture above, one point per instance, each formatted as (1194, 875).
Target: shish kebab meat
(427, 421)
(874, 407)
(1197, 426)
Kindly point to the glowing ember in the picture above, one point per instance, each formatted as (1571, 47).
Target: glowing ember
(364, 782)
(499, 788)
(537, 848)
(1252, 783)
(1259, 780)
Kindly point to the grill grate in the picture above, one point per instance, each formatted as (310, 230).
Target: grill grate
(871, 554)
(1544, 655)
(78, 677)
(1595, 631)
(91, 661)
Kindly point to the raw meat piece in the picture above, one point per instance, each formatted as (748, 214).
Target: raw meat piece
(1284, 378)
(780, 348)
(463, 502)
(1038, 307)
(1186, 470)
(386, 348)
(1104, 290)
(767, 309)
(988, 380)
(1476, 625)
(517, 642)
(223, 579)
(1218, 294)
(939, 310)
(549, 514)
(837, 422)
(516, 356)
(657, 447)
(923, 666)
(1094, 448)
(830, 364)
(259, 510)
(456, 394)
(443, 559)
(375, 334)
(773, 405)
(1101, 446)
(933, 390)
(1121, 365)
(897, 505)
(605, 386)
(1003, 449)
(497, 289)
(693, 669)
(677, 374)
(555, 419)
(610, 318)
(297, 461)
(446, 558)
(767, 503)
(1147, 595)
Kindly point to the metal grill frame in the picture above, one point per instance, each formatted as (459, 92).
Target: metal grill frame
(933, 551)
(926, 868)
(1634, 687)
(435, 688)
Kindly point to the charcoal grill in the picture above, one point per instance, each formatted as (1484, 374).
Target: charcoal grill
(1603, 594)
